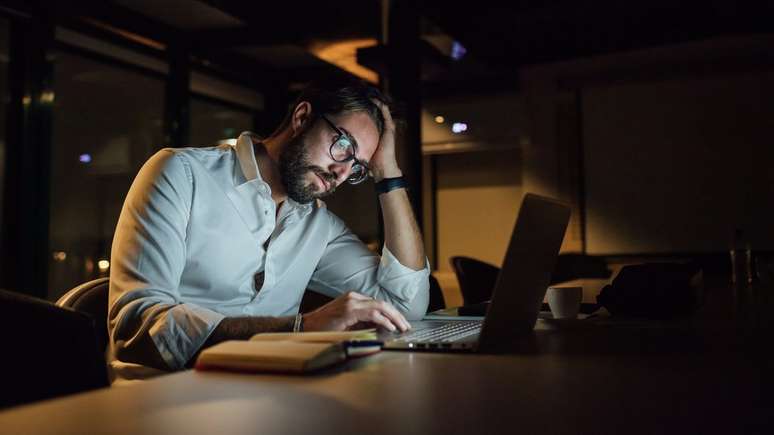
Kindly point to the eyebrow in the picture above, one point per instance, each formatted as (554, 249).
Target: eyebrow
(363, 161)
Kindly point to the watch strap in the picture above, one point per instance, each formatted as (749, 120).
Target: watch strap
(388, 184)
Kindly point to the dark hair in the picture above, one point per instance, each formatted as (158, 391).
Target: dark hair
(334, 96)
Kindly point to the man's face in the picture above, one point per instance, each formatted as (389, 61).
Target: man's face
(306, 167)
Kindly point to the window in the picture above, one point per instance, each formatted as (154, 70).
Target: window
(212, 121)
(107, 121)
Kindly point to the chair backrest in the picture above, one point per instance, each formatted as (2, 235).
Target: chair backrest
(476, 278)
(91, 298)
(576, 266)
(48, 351)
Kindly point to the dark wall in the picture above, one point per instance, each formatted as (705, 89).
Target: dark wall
(677, 164)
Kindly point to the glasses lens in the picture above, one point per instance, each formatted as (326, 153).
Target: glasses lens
(358, 175)
(342, 149)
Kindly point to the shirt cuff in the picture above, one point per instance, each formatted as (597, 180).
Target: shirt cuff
(182, 331)
(402, 281)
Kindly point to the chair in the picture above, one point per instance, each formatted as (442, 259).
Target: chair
(576, 266)
(48, 351)
(91, 298)
(476, 278)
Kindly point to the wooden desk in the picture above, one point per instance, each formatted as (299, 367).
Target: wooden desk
(598, 380)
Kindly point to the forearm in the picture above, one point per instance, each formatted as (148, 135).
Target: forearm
(242, 328)
(401, 232)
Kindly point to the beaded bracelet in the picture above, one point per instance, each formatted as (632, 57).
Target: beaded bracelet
(298, 324)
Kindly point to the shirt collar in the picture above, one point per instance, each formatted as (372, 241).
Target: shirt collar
(245, 153)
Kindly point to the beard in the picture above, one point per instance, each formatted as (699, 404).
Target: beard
(294, 165)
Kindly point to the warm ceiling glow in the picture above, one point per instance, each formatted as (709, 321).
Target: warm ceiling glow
(128, 35)
(439, 119)
(343, 54)
(103, 265)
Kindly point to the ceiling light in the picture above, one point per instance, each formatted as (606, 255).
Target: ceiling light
(439, 119)
(459, 127)
(343, 54)
(457, 51)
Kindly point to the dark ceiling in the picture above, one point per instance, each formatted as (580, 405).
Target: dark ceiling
(515, 33)
(535, 31)
(499, 37)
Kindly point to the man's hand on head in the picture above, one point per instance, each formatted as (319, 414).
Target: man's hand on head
(351, 309)
(383, 163)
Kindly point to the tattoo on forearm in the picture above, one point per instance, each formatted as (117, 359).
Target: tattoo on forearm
(242, 328)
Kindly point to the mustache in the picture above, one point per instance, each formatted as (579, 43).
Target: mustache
(327, 176)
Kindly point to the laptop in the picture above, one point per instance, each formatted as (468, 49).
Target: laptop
(518, 293)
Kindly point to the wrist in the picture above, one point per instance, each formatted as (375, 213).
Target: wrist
(381, 174)
(389, 184)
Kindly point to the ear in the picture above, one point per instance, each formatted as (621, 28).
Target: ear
(301, 115)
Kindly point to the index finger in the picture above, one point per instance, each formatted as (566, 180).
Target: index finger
(394, 315)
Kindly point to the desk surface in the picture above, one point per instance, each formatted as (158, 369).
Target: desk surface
(593, 380)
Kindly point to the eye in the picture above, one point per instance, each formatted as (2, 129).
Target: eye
(343, 143)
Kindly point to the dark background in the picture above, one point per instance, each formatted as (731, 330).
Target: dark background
(652, 118)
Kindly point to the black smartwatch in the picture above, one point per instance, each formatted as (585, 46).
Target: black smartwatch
(388, 184)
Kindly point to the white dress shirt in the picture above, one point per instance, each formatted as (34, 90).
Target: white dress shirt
(196, 236)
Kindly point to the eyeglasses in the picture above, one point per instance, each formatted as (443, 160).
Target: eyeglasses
(343, 149)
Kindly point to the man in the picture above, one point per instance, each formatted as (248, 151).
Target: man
(220, 243)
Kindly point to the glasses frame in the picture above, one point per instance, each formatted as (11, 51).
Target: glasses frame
(341, 134)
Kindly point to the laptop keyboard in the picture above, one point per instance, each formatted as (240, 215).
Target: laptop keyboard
(446, 333)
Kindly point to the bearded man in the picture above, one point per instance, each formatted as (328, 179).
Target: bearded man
(220, 243)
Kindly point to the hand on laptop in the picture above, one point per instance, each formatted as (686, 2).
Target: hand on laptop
(351, 309)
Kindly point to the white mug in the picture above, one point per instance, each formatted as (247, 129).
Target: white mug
(564, 301)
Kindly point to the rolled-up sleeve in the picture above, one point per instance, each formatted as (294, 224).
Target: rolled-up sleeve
(147, 259)
(348, 265)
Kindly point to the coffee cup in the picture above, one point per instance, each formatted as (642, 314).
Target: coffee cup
(564, 302)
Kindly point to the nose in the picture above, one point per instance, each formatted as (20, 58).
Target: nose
(340, 170)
